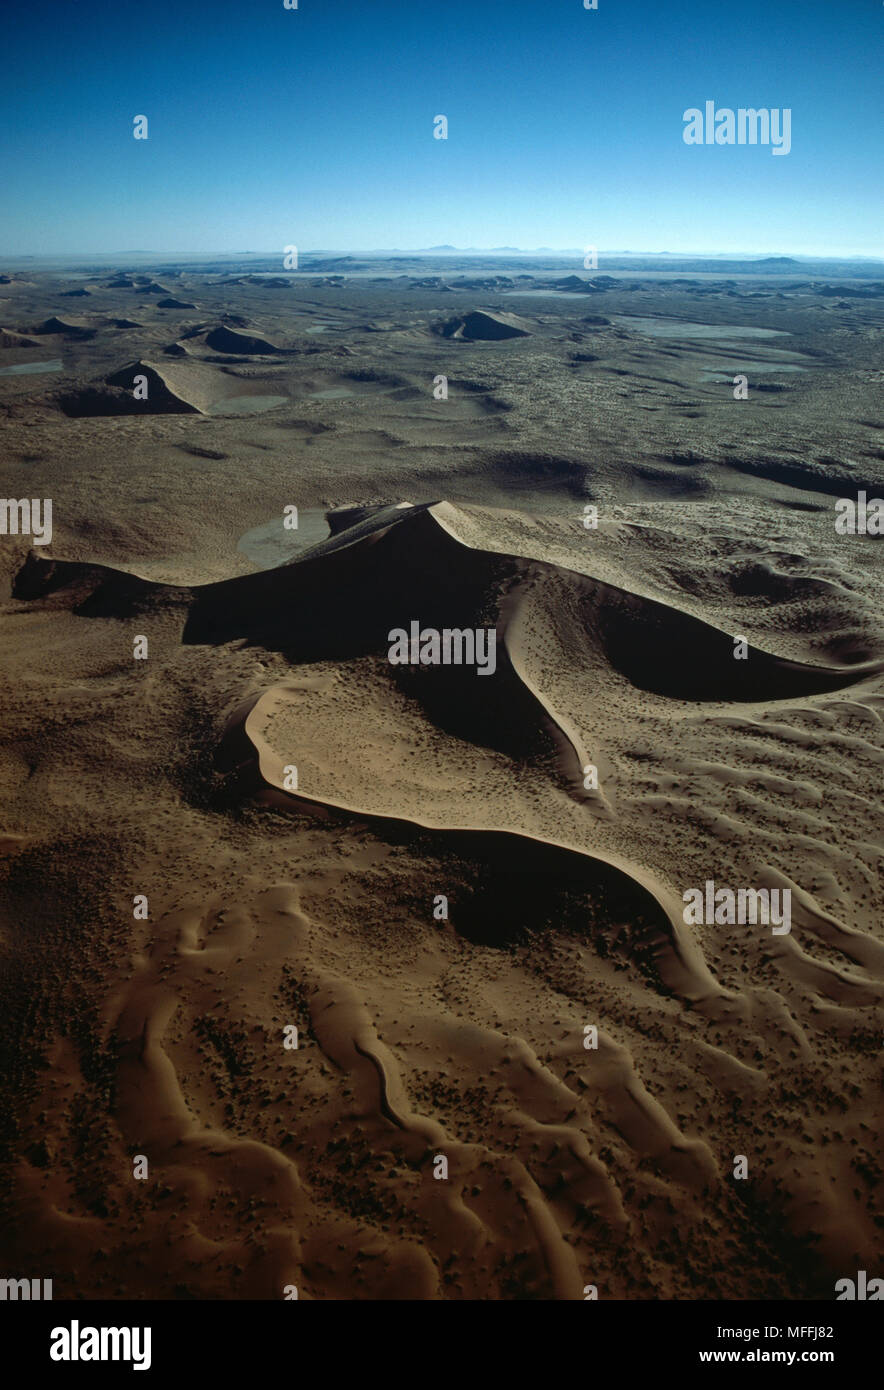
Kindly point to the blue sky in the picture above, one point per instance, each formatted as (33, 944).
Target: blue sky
(314, 127)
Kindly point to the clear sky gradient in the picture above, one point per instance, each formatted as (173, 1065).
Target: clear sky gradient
(314, 126)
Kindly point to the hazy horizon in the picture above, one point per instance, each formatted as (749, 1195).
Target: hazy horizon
(564, 252)
(315, 127)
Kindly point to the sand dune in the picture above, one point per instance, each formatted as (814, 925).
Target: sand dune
(228, 340)
(578, 283)
(120, 399)
(479, 325)
(10, 339)
(183, 387)
(74, 328)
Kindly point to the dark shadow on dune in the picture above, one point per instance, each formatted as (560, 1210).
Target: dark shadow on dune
(227, 340)
(93, 591)
(832, 480)
(496, 711)
(116, 396)
(517, 471)
(344, 597)
(481, 326)
(510, 888)
(98, 401)
(65, 328)
(670, 653)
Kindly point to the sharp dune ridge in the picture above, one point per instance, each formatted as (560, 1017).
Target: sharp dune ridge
(250, 607)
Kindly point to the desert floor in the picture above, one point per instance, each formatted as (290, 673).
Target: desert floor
(160, 1031)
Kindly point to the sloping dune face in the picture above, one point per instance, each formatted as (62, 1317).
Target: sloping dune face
(518, 1069)
(144, 388)
(71, 328)
(481, 324)
(224, 339)
(137, 389)
(10, 339)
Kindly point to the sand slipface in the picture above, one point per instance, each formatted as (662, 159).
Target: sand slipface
(159, 385)
(466, 896)
(73, 328)
(480, 325)
(224, 339)
(10, 339)
(184, 387)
